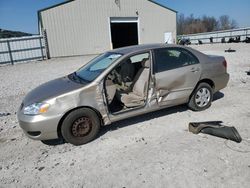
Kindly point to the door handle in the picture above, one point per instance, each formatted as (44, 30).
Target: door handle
(195, 69)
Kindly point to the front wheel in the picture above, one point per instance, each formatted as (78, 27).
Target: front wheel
(201, 98)
(80, 126)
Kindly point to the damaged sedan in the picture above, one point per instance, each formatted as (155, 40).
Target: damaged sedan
(120, 84)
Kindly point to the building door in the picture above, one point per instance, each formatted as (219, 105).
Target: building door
(124, 32)
(168, 38)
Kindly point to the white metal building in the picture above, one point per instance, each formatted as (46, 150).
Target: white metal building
(82, 27)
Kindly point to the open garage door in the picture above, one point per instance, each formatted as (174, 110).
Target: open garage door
(124, 32)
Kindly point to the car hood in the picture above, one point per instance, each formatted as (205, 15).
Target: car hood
(51, 89)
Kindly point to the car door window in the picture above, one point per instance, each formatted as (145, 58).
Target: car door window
(171, 58)
(139, 57)
(129, 67)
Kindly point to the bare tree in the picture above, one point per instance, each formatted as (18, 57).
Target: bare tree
(180, 23)
(210, 23)
(190, 24)
(224, 22)
(234, 24)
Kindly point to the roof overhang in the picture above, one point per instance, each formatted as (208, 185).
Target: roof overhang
(69, 1)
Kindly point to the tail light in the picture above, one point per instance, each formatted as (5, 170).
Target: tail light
(225, 64)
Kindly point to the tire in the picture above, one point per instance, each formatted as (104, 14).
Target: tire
(80, 126)
(201, 97)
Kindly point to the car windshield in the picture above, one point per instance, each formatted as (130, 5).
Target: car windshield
(95, 67)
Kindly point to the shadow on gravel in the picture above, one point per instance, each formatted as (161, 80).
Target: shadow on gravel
(54, 142)
(130, 121)
(218, 95)
(142, 118)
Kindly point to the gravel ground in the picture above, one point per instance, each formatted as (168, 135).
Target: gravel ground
(154, 150)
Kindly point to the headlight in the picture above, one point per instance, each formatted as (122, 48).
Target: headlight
(36, 108)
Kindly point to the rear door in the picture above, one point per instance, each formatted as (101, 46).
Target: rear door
(177, 72)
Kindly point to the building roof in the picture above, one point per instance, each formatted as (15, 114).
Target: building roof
(69, 1)
(161, 5)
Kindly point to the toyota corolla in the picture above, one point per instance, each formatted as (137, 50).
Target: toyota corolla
(120, 84)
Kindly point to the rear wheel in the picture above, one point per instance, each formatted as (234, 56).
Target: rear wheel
(80, 126)
(201, 98)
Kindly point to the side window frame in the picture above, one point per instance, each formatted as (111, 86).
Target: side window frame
(134, 54)
(123, 60)
(154, 68)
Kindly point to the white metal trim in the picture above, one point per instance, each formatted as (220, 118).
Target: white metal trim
(110, 35)
(138, 31)
(123, 19)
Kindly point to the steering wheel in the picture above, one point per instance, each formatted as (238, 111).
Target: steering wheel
(115, 77)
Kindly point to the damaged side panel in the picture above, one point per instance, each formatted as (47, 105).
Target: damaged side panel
(83, 98)
(101, 103)
(176, 85)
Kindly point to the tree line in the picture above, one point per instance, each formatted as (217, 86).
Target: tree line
(10, 34)
(191, 25)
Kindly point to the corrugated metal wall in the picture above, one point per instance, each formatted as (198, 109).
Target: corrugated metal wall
(83, 26)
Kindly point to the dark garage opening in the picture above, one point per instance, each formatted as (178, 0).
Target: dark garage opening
(124, 34)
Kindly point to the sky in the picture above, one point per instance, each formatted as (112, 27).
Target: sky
(21, 15)
(236, 9)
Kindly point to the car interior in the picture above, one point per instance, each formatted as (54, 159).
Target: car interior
(126, 86)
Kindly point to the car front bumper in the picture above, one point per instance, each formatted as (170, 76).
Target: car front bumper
(39, 127)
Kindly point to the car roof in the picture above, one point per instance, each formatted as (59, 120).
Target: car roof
(142, 47)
